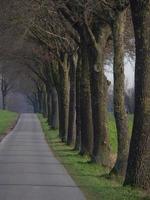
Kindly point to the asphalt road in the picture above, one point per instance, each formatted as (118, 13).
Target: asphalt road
(29, 170)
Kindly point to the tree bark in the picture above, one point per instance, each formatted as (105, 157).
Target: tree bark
(60, 115)
(119, 95)
(78, 116)
(44, 104)
(39, 96)
(54, 115)
(3, 101)
(85, 102)
(101, 149)
(72, 102)
(138, 169)
(4, 92)
(64, 98)
(39, 102)
(48, 91)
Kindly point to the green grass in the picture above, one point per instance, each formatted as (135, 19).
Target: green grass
(113, 133)
(7, 118)
(89, 177)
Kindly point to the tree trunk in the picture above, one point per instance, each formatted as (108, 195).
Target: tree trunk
(138, 169)
(44, 104)
(3, 101)
(119, 96)
(54, 115)
(78, 116)
(60, 115)
(36, 103)
(101, 149)
(40, 101)
(64, 99)
(85, 102)
(72, 103)
(48, 105)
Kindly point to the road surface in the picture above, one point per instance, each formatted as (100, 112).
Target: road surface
(29, 170)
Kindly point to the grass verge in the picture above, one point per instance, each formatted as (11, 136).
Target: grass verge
(7, 120)
(89, 177)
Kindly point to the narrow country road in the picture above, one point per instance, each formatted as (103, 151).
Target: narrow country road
(28, 169)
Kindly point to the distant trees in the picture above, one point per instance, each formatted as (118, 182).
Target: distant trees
(4, 90)
(6, 83)
(129, 100)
